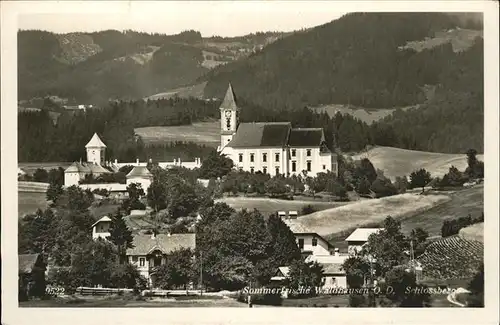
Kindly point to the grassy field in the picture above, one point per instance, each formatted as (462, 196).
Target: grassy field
(196, 91)
(29, 202)
(207, 133)
(268, 206)
(342, 218)
(463, 202)
(475, 232)
(398, 162)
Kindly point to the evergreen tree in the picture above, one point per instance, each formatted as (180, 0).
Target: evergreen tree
(120, 235)
(283, 244)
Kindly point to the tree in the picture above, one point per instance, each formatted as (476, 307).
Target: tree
(383, 187)
(476, 287)
(75, 199)
(356, 269)
(405, 291)
(284, 249)
(401, 184)
(177, 271)
(135, 193)
(157, 196)
(56, 182)
(120, 235)
(305, 275)
(215, 166)
(363, 186)
(387, 246)
(37, 232)
(475, 168)
(127, 275)
(276, 187)
(420, 178)
(41, 175)
(365, 169)
(418, 237)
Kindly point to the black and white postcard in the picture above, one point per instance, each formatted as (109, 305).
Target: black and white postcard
(258, 161)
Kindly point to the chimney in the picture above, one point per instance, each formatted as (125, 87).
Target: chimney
(137, 161)
(150, 160)
(116, 161)
(336, 252)
(153, 234)
(179, 161)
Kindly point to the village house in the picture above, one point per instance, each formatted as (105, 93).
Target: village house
(274, 148)
(358, 238)
(100, 228)
(315, 248)
(150, 251)
(32, 269)
(140, 175)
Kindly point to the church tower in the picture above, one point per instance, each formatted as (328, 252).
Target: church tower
(229, 117)
(96, 150)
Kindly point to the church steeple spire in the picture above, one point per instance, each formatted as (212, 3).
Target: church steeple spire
(229, 102)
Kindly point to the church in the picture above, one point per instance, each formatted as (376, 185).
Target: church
(275, 148)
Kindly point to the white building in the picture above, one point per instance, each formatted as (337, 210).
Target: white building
(140, 175)
(317, 249)
(272, 147)
(100, 228)
(358, 238)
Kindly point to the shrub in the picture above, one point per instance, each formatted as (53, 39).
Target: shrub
(307, 209)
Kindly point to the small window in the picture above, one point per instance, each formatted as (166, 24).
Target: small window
(315, 242)
(308, 166)
(240, 157)
(264, 157)
(294, 152)
(228, 140)
(277, 171)
(228, 123)
(251, 170)
(134, 259)
(294, 166)
(308, 153)
(277, 157)
(252, 157)
(324, 167)
(264, 170)
(301, 243)
(142, 261)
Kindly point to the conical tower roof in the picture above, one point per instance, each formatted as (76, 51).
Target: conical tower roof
(95, 142)
(229, 101)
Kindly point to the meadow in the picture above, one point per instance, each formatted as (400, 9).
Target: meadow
(29, 202)
(268, 206)
(398, 162)
(207, 133)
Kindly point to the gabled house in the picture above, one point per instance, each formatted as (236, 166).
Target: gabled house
(358, 238)
(309, 242)
(31, 276)
(150, 251)
(100, 228)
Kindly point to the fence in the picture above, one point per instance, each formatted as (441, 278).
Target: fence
(88, 291)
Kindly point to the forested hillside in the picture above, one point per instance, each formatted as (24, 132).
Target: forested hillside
(96, 67)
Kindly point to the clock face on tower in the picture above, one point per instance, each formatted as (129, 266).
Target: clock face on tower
(228, 114)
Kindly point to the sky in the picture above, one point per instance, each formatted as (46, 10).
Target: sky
(223, 18)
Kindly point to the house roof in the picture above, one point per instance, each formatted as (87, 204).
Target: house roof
(362, 234)
(27, 262)
(144, 244)
(285, 270)
(327, 259)
(139, 172)
(306, 137)
(103, 219)
(229, 101)
(95, 142)
(296, 227)
(332, 268)
(78, 167)
(261, 134)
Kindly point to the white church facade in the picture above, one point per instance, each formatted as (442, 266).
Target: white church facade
(274, 148)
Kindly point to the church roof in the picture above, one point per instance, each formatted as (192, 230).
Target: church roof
(78, 167)
(95, 142)
(229, 101)
(262, 134)
(306, 137)
(139, 172)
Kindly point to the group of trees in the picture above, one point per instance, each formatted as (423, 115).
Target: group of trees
(384, 258)
(243, 248)
(452, 226)
(62, 233)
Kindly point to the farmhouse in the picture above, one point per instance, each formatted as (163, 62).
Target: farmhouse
(150, 251)
(272, 147)
(358, 238)
(309, 242)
